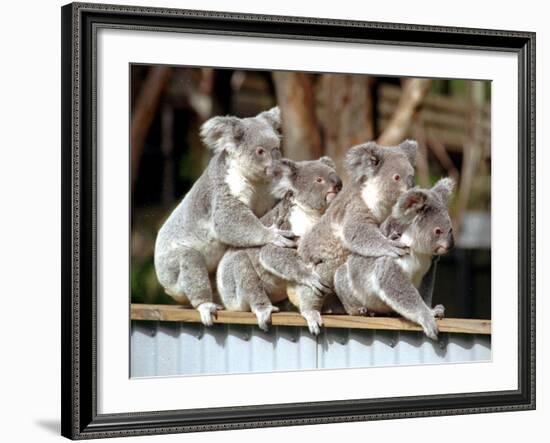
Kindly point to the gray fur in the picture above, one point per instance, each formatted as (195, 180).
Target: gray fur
(253, 279)
(404, 285)
(222, 208)
(351, 224)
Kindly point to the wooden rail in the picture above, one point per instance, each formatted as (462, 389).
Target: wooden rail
(176, 313)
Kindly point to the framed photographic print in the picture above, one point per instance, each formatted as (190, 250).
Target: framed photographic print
(274, 221)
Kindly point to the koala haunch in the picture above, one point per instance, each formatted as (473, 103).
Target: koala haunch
(404, 284)
(252, 279)
(378, 177)
(222, 208)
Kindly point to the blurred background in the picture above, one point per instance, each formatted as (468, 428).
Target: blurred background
(323, 114)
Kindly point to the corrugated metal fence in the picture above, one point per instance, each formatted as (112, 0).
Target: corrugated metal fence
(161, 348)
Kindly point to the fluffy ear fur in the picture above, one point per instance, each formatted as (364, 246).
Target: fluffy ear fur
(284, 178)
(362, 158)
(222, 133)
(410, 202)
(409, 147)
(290, 168)
(273, 117)
(328, 162)
(444, 189)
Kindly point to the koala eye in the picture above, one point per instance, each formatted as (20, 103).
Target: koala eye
(438, 231)
(319, 180)
(397, 177)
(260, 150)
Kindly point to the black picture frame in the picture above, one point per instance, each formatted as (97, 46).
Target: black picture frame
(79, 172)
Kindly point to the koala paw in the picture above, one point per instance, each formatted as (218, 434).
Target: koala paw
(429, 325)
(208, 312)
(263, 315)
(314, 321)
(317, 285)
(398, 249)
(283, 239)
(439, 311)
(365, 312)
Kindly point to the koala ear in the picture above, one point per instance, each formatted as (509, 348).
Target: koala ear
(222, 133)
(289, 168)
(273, 117)
(362, 159)
(285, 174)
(409, 147)
(444, 189)
(411, 202)
(327, 161)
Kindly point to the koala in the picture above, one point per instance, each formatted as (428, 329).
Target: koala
(420, 219)
(252, 279)
(222, 209)
(379, 176)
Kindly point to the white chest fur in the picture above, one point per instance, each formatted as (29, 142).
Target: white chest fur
(256, 196)
(371, 196)
(302, 220)
(414, 264)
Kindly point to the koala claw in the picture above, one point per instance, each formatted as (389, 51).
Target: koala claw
(263, 315)
(399, 249)
(439, 311)
(364, 312)
(282, 238)
(314, 321)
(430, 328)
(284, 242)
(208, 311)
(317, 285)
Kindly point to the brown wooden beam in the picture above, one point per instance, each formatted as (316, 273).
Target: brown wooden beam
(176, 313)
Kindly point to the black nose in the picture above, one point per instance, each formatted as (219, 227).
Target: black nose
(337, 182)
(451, 241)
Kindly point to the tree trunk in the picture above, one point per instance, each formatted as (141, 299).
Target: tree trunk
(301, 138)
(345, 113)
(473, 150)
(144, 111)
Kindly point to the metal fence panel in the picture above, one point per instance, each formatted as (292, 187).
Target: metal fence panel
(164, 349)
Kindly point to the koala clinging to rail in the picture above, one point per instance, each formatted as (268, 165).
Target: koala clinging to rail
(222, 208)
(378, 176)
(405, 284)
(252, 279)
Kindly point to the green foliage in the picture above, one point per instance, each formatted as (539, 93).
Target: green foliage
(144, 285)
(458, 88)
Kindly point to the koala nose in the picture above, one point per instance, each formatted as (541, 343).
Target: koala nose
(337, 183)
(270, 171)
(450, 240)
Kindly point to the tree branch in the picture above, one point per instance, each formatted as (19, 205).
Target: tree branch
(414, 91)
